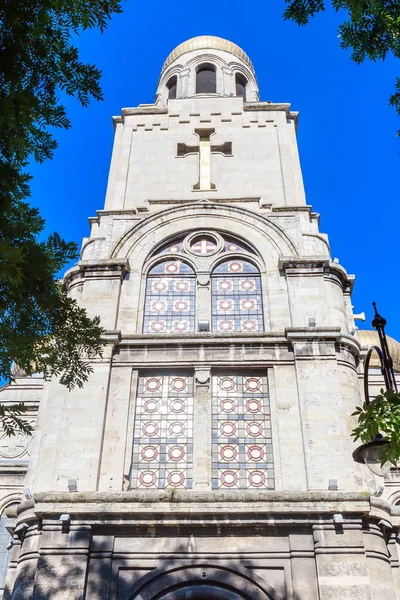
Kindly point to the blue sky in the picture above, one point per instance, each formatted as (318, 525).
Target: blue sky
(349, 153)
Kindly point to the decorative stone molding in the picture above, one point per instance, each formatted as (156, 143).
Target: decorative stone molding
(111, 268)
(203, 376)
(294, 266)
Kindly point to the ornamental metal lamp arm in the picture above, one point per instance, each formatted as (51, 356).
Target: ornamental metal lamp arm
(384, 356)
(372, 452)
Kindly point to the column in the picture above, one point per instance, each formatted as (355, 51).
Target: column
(63, 560)
(202, 430)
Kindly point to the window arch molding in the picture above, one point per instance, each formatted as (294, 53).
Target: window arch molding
(252, 93)
(202, 252)
(162, 95)
(160, 258)
(253, 259)
(196, 62)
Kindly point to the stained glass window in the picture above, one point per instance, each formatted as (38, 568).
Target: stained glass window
(242, 454)
(163, 435)
(236, 297)
(234, 245)
(5, 553)
(170, 298)
(203, 245)
(171, 247)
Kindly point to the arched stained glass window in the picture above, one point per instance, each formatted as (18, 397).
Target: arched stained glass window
(236, 297)
(170, 298)
(206, 82)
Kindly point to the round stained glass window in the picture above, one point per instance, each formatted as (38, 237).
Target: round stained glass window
(203, 245)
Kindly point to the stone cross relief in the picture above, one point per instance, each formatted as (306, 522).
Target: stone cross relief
(205, 150)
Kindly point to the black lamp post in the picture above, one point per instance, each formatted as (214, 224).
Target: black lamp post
(371, 453)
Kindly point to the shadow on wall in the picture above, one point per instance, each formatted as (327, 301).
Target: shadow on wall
(59, 576)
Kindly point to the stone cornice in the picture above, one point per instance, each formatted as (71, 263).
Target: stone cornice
(295, 334)
(295, 265)
(105, 268)
(271, 107)
(189, 507)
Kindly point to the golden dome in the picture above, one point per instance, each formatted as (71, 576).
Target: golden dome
(369, 337)
(209, 42)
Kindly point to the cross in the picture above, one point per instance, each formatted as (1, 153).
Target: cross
(205, 149)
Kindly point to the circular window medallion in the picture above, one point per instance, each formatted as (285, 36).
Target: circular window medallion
(253, 406)
(247, 284)
(150, 429)
(14, 446)
(179, 384)
(177, 406)
(159, 286)
(227, 406)
(176, 453)
(149, 453)
(254, 429)
(229, 478)
(227, 383)
(176, 478)
(255, 453)
(250, 325)
(150, 406)
(177, 428)
(203, 245)
(225, 325)
(181, 325)
(153, 384)
(172, 267)
(181, 286)
(147, 478)
(228, 429)
(228, 453)
(257, 479)
(157, 326)
(225, 285)
(252, 384)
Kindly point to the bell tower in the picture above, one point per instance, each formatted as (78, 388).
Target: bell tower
(209, 454)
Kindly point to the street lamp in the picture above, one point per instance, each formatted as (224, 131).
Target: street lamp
(371, 453)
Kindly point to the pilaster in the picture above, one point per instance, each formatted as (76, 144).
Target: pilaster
(202, 429)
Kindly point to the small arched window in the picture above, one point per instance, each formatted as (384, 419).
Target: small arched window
(171, 87)
(170, 298)
(236, 297)
(241, 86)
(206, 82)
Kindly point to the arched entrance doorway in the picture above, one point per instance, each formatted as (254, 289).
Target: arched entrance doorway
(199, 581)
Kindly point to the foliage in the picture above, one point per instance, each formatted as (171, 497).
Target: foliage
(381, 416)
(371, 30)
(41, 329)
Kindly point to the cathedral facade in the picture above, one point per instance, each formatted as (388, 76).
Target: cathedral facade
(209, 455)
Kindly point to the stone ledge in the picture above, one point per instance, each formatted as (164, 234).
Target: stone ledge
(188, 496)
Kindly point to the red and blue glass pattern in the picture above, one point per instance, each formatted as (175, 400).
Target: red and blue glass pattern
(231, 244)
(172, 247)
(203, 245)
(170, 299)
(163, 435)
(242, 456)
(236, 298)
